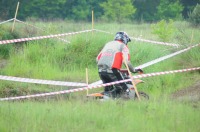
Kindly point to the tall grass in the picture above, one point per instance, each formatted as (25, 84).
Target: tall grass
(56, 60)
(99, 116)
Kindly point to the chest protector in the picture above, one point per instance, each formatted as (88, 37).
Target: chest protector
(112, 54)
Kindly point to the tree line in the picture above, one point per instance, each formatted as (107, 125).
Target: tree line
(104, 10)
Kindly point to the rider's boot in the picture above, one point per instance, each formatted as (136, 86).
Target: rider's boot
(114, 93)
(129, 93)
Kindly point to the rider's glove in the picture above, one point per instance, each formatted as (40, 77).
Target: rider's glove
(138, 70)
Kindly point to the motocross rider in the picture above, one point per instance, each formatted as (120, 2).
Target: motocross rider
(109, 62)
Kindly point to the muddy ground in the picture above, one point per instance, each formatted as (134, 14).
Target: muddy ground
(2, 63)
(191, 93)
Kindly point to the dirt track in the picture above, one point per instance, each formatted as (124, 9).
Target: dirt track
(190, 94)
(3, 63)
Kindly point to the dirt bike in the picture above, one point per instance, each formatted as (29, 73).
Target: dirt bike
(132, 94)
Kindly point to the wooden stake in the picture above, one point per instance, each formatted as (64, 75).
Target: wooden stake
(87, 79)
(191, 37)
(15, 17)
(92, 19)
(131, 78)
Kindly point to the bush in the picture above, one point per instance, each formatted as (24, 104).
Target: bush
(164, 30)
(6, 34)
(194, 17)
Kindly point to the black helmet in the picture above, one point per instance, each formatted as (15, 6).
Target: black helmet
(123, 36)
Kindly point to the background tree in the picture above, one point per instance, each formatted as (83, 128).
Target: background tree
(117, 10)
(169, 9)
(95, 5)
(110, 10)
(195, 16)
(80, 10)
(7, 9)
(189, 6)
(45, 9)
(146, 10)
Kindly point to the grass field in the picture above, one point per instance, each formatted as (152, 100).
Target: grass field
(77, 115)
(53, 59)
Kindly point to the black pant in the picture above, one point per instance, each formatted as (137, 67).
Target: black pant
(115, 75)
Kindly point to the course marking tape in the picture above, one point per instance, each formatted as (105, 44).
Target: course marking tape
(103, 31)
(98, 86)
(145, 40)
(166, 57)
(155, 42)
(40, 29)
(164, 73)
(155, 61)
(6, 21)
(41, 37)
(38, 81)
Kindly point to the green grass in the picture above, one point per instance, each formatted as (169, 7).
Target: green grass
(68, 115)
(53, 59)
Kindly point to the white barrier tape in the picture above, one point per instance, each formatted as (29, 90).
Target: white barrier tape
(6, 21)
(97, 86)
(96, 83)
(40, 29)
(103, 31)
(155, 61)
(38, 81)
(41, 37)
(155, 42)
(166, 57)
(164, 73)
(145, 40)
